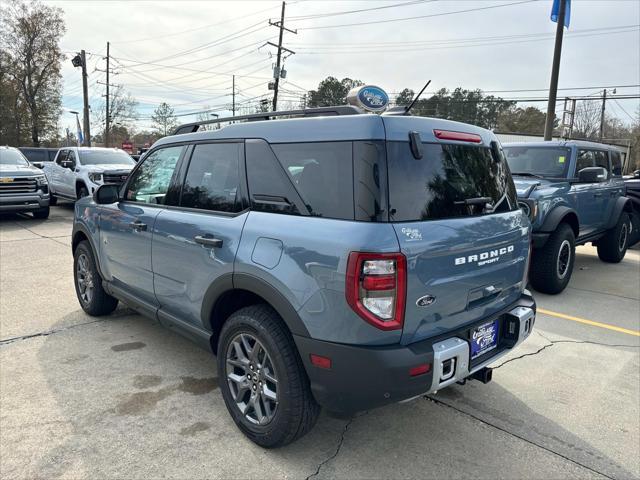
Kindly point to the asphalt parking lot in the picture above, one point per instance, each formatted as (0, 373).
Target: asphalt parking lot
(121, 397)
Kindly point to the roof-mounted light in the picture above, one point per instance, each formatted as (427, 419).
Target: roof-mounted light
(457, 136)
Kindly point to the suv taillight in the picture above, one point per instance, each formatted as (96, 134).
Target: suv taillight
(376, 288)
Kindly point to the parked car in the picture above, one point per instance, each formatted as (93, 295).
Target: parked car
(573, 192)
(79, 171)
(23, 187)
(37, 156)
(346, 261)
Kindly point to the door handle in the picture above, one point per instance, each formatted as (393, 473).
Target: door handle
(208, 241)
(138, 226)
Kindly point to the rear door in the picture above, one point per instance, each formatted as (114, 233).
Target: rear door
(466, 258)
(196, 243)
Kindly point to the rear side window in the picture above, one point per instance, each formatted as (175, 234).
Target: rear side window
(616, 163)
(212, 181)
(585, 159)
(601, 159)
(322, 174)
(449, 181)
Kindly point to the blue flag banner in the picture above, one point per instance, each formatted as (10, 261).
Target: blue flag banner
(567, 13)
(80, 136)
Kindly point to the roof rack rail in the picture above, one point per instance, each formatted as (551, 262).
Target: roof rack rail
(308, 112)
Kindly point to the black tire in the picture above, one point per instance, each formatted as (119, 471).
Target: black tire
(99, 302)
(53, 200)
(613, 246)
(550, 268)
(83, 192)
(296, 411)
(41, 214)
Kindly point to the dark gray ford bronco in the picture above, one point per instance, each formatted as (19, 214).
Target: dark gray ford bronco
(574, 193)
(327, 257)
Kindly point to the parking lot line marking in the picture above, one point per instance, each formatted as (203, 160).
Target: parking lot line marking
(635, 333)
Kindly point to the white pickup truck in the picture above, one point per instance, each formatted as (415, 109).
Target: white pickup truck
(78, 171)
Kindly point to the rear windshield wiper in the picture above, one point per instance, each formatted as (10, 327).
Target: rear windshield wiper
(526, 174)
(474, 201)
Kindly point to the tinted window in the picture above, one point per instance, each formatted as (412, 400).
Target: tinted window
(105, 157)
(585, 159)
(212, 179)
(616, 163)
(437, 185)
(322, 174)
(370, 181)
(34, 155)
(541, 161)
(71, 156)
(601, 159)
(270, 187)
(52, 154)
(150, 183)
(62, 156)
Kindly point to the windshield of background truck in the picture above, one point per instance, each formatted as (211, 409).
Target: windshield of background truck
(12, 157)
(540, 161)
(105, 157)
(445, 182)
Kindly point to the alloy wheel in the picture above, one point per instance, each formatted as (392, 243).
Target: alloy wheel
(252, 379)
(622, 241)
(84, 278)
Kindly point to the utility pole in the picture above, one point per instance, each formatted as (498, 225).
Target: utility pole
(85, 93)
(555, 71)
(233, 95)
(604, 102)
(106, 120)
(276, 71)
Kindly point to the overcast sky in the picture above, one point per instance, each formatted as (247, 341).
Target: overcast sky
(185, 52)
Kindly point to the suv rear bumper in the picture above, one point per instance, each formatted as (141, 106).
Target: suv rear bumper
(23, 202)
(366, 377)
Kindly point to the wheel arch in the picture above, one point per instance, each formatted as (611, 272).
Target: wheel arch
(79, 184)
(80, 233)
(623, 204)
(562, 214)
(231, 292)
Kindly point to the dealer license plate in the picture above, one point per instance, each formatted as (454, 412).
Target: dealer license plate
(484, 338)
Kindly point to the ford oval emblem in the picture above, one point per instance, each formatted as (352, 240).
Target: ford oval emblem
(425, 301)
(369, 97)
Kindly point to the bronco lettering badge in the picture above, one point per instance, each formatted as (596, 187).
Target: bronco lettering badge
(484, 258)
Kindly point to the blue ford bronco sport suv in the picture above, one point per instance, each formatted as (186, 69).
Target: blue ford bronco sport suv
(574, 193)
(327, 257)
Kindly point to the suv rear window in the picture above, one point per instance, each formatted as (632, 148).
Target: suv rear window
(437, 185)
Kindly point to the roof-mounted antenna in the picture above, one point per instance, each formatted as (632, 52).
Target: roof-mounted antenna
(415, 99)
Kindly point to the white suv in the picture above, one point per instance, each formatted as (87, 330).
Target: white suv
(78, 171)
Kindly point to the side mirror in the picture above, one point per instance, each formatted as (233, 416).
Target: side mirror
(67, 164)
(39, 165)
(636, 174)
(592, 175)
(106, 194)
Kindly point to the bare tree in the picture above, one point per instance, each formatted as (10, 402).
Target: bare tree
(29, 36)
(122, 111)
(586, 122)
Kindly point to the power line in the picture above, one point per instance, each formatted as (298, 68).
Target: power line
(375, 22)
(622, 108)
(225, 22)
(346, 12)
(479, 44)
